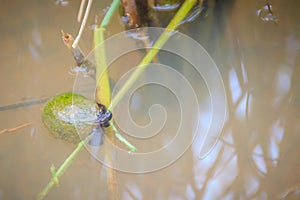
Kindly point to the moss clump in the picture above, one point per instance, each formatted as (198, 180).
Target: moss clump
(68, 116)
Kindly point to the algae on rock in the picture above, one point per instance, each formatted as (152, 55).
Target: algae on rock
(69, 116)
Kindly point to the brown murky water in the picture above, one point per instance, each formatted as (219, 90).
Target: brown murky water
(257, 156)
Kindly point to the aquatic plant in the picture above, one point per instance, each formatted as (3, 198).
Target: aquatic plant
(103, 88)
(57, 116)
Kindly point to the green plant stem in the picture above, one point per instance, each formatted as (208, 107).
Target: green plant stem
(184, 9)
(121, 138)
(103, 87)
(103, 93)
(56, 175)
(113, 7)
(102, 78)
(182, 12)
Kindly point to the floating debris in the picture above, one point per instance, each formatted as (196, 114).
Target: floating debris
(266, 13)
(83, 65)
(15, 128)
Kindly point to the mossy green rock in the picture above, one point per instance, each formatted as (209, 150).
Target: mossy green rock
(69, 116)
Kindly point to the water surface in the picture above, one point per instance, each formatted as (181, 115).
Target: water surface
(257, 156)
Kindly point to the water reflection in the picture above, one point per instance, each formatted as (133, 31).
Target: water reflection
(61, 2)
(249, 160)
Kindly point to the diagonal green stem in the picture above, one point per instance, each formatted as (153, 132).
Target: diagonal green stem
(182, 12)
(122, 139)
(185, 8)
(56, 175)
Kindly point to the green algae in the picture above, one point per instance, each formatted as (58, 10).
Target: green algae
(69, 116)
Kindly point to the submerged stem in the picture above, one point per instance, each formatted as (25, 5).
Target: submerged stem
(122, 139)
(63, 168)
(15, 128)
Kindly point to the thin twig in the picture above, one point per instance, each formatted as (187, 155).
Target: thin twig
(290, 190)
(15, 128)
(87, 11)
(79, 16)
(4, 131)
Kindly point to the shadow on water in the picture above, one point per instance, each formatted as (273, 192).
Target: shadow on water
(257, 156)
